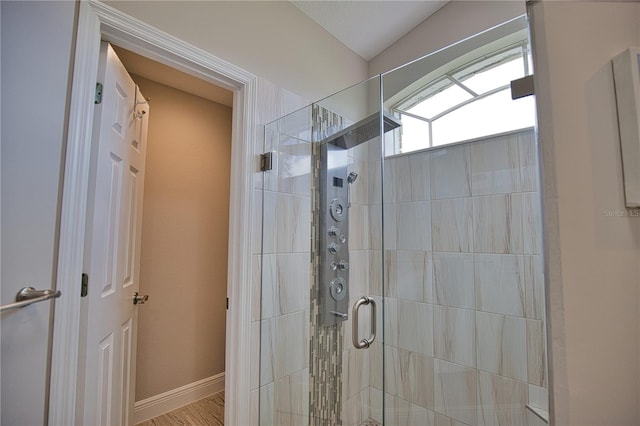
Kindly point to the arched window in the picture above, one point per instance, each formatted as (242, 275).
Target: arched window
(468, 102)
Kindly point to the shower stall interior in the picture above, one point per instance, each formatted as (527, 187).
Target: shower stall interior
(401, 266)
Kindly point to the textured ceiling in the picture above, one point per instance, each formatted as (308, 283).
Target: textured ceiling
(368, 27)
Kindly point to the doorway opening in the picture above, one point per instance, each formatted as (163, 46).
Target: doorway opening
(185, 226)
(96, 22)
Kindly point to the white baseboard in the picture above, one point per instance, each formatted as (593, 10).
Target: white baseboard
(176, 398)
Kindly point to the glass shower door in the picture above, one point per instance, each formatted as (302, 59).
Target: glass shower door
(464, 305)
(321, 264)
(401, 260)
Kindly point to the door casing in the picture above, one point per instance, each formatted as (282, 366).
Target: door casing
(96, 22)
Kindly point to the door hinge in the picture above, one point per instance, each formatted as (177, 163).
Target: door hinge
(227, 303)
(98, 98)
(84, 287)
(266, 161)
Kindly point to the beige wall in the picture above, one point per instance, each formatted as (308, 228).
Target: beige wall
(452, 23)
(593, 276)
(185, 228)
(272, 39)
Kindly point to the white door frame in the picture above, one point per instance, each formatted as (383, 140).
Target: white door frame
(97, 21)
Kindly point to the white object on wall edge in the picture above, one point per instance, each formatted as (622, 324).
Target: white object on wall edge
(626, 75)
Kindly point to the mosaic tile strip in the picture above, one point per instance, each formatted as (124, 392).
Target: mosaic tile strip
(325, 363)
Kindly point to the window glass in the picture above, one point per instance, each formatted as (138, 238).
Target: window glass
(415, 134)
(493, 114)
(466, 103)
(495, 77)
(440, 102)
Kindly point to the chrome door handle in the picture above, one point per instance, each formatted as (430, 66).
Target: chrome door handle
(140, 299)
(28, 295)
(364, 343)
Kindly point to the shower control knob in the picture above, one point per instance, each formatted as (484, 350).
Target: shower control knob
(343, 265)
(333, 248)
(333, 231)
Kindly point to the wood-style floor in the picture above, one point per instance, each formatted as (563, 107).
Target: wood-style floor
(206, 412)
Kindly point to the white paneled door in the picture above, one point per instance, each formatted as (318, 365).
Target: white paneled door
(112, 248)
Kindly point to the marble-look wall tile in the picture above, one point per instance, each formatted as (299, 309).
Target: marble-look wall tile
(456, 391)
(358, 227)
(375, 227)
(407, 178)
(501, 345)
(376, 405)
(442, 420)
(355, 409)
(501, 401)
(291, 398)
(409, 376)
(266, 404)
(391, 322)
(539, 397)
(453, 279)
(534, 280)
(268, 180)
(451, 225)
(293, 223)
(454, 335)
(257, 221)
(390, 226)
(267, 352)
(297, 124)
(451, 172)
(397, 180)
(256, 286)
(358, 273)
(415, 327)
(375, 184)
(495, 166)
(293, 167)
(536, 353)
(497, 224)
(420, 166)
(355, 372)
(376, 261)
(531, 224)
(500, 284)
(415, 276)
(414, 226)
(391, 273)
(527, 149)
(255, 355)
(285, 283)
(291, 102)
(254, 407)
(284, 346)
(534, 420)
(376, 372)
(359, 190)
(403, 413)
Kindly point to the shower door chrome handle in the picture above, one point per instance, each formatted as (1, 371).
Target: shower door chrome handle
(364, 343)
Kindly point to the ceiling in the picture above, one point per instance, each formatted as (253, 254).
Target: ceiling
(163, 74)
(364, 26)
(368, 27)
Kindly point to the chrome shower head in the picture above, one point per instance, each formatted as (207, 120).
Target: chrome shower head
(352, 177)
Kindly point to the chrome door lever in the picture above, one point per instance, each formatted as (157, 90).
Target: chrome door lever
(140, 299)
(28, 295)
(364, 343)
